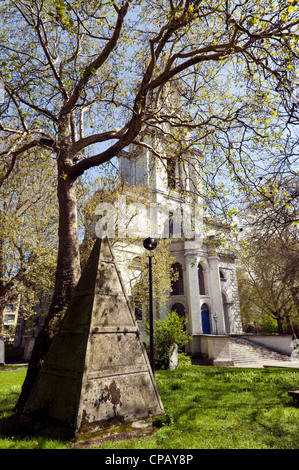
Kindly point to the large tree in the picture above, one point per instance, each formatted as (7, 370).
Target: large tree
(270, 276)
(86, 78)
(270, 251)
(28, 230)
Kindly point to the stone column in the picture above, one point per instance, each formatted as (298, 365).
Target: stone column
(215, 293)
(192, 294)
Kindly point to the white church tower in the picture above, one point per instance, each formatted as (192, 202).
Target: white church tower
(206, 291)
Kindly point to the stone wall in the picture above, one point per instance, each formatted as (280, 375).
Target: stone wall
(278, 343)
(213, 348)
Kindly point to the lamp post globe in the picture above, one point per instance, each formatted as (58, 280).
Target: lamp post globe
(150, 244)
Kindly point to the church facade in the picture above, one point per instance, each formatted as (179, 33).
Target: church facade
(205, 292)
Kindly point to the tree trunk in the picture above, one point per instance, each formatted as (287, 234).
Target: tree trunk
(66, 277)
(280, 325)
(2, 289)
(1, 320)
(295, 297)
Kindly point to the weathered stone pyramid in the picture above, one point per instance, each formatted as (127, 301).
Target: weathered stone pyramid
(97, 373)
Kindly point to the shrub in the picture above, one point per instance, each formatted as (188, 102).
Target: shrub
(184, 360)
(168, 331)
(269, 325)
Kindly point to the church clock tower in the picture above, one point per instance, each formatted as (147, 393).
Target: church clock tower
(205, 292)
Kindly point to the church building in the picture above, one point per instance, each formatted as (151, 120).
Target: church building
(205, 291)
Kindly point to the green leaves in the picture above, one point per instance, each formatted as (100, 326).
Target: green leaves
(28, 226)
(62, 13)
(168, 331)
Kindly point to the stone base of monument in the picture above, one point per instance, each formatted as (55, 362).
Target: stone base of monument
(97, 374)
(135, 430)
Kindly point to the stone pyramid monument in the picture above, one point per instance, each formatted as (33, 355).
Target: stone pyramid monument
(97, 373)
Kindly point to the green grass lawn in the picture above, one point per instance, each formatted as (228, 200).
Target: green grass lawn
(208, 407)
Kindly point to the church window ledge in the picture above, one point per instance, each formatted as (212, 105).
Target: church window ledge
(205, 298)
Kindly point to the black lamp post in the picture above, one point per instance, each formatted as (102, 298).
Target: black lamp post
(150, 244)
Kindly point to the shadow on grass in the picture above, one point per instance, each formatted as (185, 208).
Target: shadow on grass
(21, 435)
(11, 423)
(9, 427)
(238, 394)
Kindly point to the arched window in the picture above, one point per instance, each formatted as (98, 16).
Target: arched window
(177, 285)
(226, 314)
(201, 280)
(135, 263)
(205, 319)
(137, 300)
(138, 312)
(179, 309)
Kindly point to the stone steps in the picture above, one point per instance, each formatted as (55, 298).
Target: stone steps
(245, 353)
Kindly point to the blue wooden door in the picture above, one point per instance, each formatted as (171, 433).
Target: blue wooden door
(205, 321)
